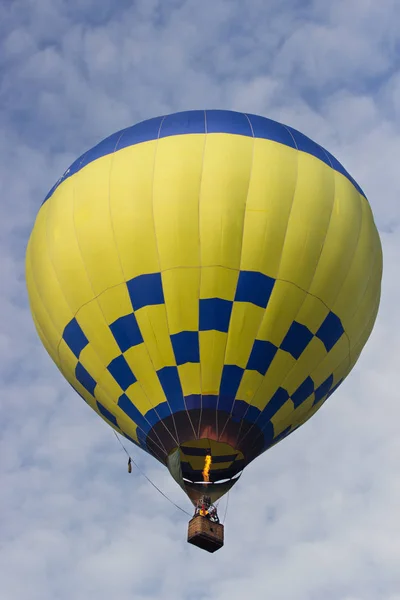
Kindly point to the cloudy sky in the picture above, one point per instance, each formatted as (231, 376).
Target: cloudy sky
(318, 516)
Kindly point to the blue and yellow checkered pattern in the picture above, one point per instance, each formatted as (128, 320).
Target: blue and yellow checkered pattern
(205, 276)
(253, 290)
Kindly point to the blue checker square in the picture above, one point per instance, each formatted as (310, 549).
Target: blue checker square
(330, 331)
(133, 413)
(239, 410)
(215, 313)
(297, 339)
(274, 404)
(230, 381)
(323, 389)
(162, 410)
(225, 403)
(74, 337)
(282, 434)
(121, 372)
(146, 290)
(193, 401)
(77, 391)
(106, 413)
(85, 379)
(186, 347)
(262, 355)
(171, 384)
(254, 287)
(142, 437)
(126, 332)
(209, 401)
(152, 417)
(268, 433)
(335, 387)
(303, 392)
(252, 414)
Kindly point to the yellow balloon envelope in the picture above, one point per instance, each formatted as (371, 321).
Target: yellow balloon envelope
(205, 281)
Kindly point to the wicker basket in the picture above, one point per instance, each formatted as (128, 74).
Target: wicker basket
(205, 534)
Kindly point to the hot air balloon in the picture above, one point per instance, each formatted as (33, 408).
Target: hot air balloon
(205, 280)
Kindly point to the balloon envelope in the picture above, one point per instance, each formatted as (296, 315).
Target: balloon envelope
(205, 280)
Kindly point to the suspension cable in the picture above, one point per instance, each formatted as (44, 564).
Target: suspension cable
(148, 479)
(226, 508)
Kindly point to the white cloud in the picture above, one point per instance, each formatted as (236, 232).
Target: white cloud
(315, 517)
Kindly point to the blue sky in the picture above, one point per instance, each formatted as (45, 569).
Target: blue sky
(318, 515)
